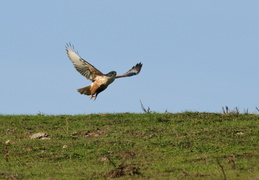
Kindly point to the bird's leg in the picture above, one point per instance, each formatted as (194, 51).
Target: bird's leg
(96, 96)
(93, 96)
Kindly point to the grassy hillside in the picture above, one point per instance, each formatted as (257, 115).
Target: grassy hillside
(187, 145)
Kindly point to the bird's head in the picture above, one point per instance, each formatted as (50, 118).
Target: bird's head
(111, 74)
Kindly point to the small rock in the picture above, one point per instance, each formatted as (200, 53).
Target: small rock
(103, 159)
(39, 135)
(240, 133)
(43, 138)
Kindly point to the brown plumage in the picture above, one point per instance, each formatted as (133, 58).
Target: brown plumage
(100, 81)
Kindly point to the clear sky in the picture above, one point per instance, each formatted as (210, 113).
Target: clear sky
(197, 55)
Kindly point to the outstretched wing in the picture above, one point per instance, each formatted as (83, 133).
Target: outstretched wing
(82, 66)
(133, 71)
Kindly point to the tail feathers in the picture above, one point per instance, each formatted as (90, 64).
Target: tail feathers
(85, 90)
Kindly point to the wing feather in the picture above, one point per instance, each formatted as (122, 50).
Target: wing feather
(82, 66)
(133, 71)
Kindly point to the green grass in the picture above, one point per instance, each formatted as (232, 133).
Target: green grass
(188, 145)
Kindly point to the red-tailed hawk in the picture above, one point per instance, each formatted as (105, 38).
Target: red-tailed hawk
(100, 81)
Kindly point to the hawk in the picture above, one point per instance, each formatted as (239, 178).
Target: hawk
(99, 80)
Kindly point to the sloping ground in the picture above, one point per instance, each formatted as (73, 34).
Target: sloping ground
(188, 145)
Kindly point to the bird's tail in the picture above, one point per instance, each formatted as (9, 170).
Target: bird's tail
(85, 90)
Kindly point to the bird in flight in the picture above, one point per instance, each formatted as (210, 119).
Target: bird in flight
(99, 80)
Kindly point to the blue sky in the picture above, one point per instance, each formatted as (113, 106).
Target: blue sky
(196, 55)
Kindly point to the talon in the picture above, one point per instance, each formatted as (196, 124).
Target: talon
(93, 97)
